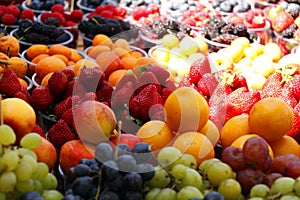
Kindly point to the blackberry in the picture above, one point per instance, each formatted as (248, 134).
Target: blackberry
(98, 20)
(241, 30)
(210, 31)
(85, 26)
(52, 21)
(62, 38)
(219, 22)
(25, 25)
(37, 27)
(36, 38)
(228, 28)
(289, 31)
(252, 36)
(225, 38)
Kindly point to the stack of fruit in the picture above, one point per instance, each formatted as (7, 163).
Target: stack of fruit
(108, 11)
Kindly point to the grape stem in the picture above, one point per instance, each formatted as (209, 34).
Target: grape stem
(1, 112)
(99, 184)
(118, 140)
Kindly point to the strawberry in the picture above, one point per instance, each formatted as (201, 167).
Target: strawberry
(239, 81)
(67, 116)
(89, 96)
(295, 130)
(128, 77)
(241, 101)
(140, 104)
(293, 86)
(58, 83)
(42, 98)
(121, 97)
(27, 14)
(26, 93)
(8, 19)
(157, 112)
(273, 86)
(282, 21)
(283, 46)
(60, 133)
(39, 130)
(288, 97)
(75, 88)
(76, 16)
(217, 104)
(22, 96)
(58, 8)
(199, 68)
(66, 104)
(69, 73)
(170, 84)
(120, 11)
(187, 82)
(145, 79)
(161, 74)
(91, 78)
(207, 84)
(104, 93)
(165, 92)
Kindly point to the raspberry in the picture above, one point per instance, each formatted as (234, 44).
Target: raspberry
(107, 14)
(76, 16)
(60, 17)
(2, 10)
(44, 16)
(70, 23)
(58, 8)
(14, 10)
(27, 14)
(8, 19)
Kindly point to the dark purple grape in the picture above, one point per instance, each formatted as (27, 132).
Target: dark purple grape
(110, 170)
(123, 149)
(132, 195)
(81, 170)
(126, 163)
(141, 152)
(213, 196)
(103, 152)
(85, 161)
(146, 170)
(31, 195)
(83, 182)
(109, 196)
(116, 185)
(133, 181)
(72, 197)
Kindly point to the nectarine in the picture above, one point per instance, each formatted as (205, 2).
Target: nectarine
(46, 153)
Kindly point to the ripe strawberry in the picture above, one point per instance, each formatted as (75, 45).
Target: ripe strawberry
(104, 93)
(128, 77)
(60, 133)
(22, 96)
(161, 74)
(295, 130)
(273, 86)
(42, 98)
(283, 46)
(26, 93)
(282, 21)
(9, 83)
(288, 97)
(293, 86)
(139, 12)
(119, 11)
(121, 97)
(187, 82)
(145, 79)
(170, 84)
(207, 84)
(76, 16)
(165, 92)
(58, 8)
(8, 19)
(239, 81)
(198, 69)
(140, 104)
(91, 78)
(75, 88)
(39, 130)
(58, 83)
(67, 116)
(66, 104)
(27, 14)
(241, 101)
(69, 73)
(60, 17)
(14, 10)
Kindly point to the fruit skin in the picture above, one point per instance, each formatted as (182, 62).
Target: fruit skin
(9, 83)
(273, 86)
(60, 133)
(128, 139)
(8, 19)
(46, 153)
(58, 83)
(71, 153)
(42, 98)
(295, 130)
(91, 78)
(19, 115)
(94, 121)
(11, 43)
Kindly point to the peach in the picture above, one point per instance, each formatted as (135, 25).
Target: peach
(46, 153)
(94, 122)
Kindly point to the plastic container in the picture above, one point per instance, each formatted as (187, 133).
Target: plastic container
(26, 45)
(29, 82)
(38, 12)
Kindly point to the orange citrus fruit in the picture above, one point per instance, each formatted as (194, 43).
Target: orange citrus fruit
(286, 145)
(211, 131)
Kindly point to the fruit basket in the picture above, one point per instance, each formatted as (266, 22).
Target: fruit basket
(28, 5)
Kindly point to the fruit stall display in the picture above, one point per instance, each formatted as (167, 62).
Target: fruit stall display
(171, 100)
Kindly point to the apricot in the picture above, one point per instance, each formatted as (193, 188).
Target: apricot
(9, 45)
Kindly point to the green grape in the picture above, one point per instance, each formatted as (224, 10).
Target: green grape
(188, 45)
(297, 186)
(206, 164)
(259, 190)
(52, 195)
(170, 41)
(7, 135)
(169, 156)
(152, 194)
(23, 171)
(230, 189)
(160, 179)
(50, 182)
(289, 197)
(31, 141)
(282, 185)
(256, 198)
(192, 178)
(8, 181)
(38, 186)
(24, 151)
(28, 159)
(179, 171)
(167, 193)
(189, 192)
(25, 186)
(218, 172)
(10, 160)
(41, 171)
(188, 160)
(2, 196)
